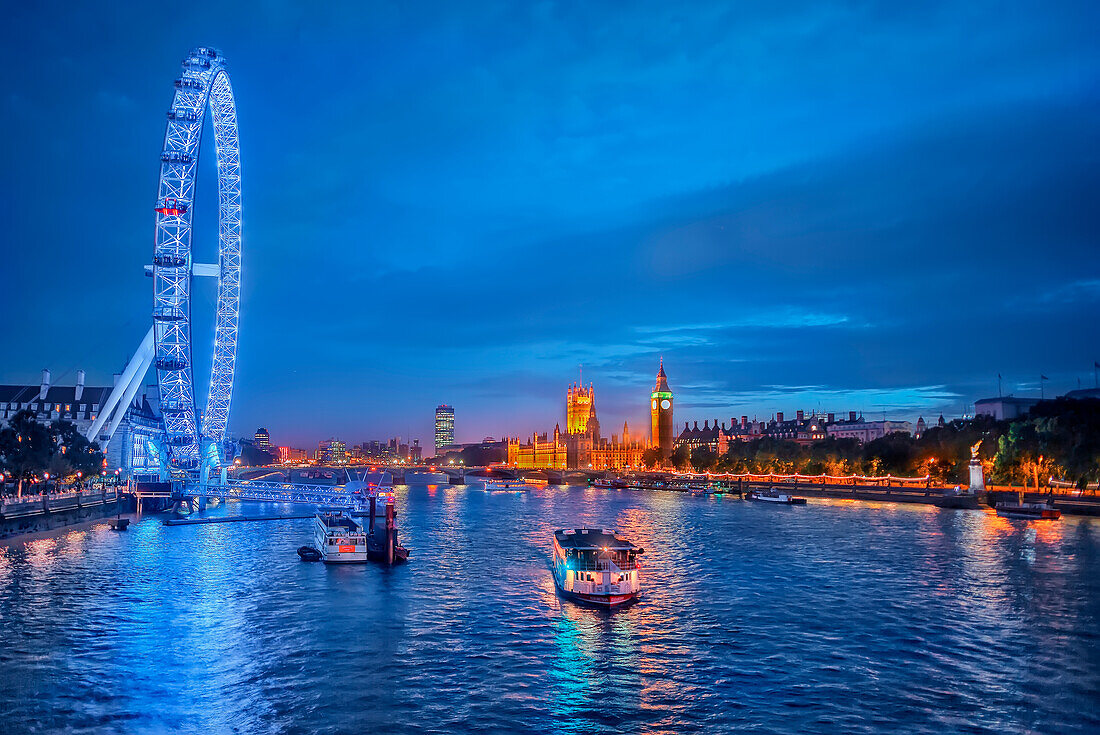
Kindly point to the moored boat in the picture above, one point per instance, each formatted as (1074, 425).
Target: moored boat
(597, 567)
(308, 553)
(775, 497)
(507, 485)
(1029, 511)
(613, 483)
(339, 538)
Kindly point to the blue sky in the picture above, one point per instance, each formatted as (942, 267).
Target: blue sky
(825, 206)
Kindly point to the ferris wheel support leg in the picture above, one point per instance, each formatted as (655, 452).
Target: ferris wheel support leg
(143, 356)
(131, 391)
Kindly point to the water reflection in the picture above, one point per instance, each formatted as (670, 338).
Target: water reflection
(838, 616)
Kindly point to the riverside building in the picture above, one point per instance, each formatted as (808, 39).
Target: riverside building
(581, 446)
(444, 427)
(132, 449)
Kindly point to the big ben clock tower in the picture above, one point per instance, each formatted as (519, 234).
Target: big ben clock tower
(660, 411)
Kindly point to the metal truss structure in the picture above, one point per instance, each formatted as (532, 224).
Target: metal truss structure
(204, 83)
(273, 492)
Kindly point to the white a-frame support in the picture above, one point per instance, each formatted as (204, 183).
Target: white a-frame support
(122, 395)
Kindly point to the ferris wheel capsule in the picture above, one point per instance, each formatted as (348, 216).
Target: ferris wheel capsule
(171, 206)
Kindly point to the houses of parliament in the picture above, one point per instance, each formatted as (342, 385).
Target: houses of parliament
(581, 446)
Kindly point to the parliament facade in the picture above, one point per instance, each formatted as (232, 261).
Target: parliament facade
(582, 447)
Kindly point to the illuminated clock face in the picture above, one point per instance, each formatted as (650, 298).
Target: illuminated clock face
(654, 403)
(666, 404)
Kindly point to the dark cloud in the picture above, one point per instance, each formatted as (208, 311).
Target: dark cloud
(815, 205)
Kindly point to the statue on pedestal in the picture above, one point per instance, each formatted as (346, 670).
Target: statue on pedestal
(977, 476)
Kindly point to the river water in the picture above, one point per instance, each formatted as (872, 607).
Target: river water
(834, 617)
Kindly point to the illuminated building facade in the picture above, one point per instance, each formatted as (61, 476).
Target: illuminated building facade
(332, 451)
(865, 431)
(582, 427)
(262, 439)
(136, 447)
(660, 411)
(581, 446)
(694, 437)
(580, 405)
(622, 453)
(541, 452)
(444, 426)
(289, 454)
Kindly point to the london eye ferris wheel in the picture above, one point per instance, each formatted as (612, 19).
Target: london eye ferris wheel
(203, 84)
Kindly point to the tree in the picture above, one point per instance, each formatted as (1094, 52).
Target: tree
(79, 454)
(26, 447)
(652, 457)
(681, 457)
(703, 459)
(894, 453)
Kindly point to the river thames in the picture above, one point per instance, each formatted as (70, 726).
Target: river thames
(834, 617)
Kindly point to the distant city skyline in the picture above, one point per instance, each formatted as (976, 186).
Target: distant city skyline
(807, 207)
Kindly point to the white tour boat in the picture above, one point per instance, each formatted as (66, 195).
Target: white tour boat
(595, 566)
(340, 538)
(775, 497)
(512, 486)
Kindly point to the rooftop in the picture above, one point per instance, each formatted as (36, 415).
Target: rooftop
(591, 538)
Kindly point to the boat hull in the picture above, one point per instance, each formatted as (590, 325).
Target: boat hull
(602, 601)
(346, 557)
(776, 501)
(499, 487)
(1029, 514)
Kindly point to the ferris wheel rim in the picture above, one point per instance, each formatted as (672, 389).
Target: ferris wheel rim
(203, 85)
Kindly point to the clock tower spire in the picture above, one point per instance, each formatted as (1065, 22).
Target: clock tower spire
(660, 411)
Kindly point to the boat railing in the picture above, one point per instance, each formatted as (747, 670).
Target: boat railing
(603, 566)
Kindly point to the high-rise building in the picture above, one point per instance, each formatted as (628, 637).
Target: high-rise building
(262, 439)
(332, 451)
(444, 426)
(660, 411)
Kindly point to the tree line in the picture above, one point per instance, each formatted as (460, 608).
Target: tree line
(30, 450)
(1059, 438)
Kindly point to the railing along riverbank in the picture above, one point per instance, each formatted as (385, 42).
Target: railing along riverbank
(29, 505)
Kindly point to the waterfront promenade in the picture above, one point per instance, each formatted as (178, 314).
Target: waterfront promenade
(52, 510)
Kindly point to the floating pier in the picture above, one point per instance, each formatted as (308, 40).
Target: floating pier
(231, 519)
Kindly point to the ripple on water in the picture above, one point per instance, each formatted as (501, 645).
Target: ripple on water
(834, 617)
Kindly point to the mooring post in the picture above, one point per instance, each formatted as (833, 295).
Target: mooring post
(373, 501)
(391, 515)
